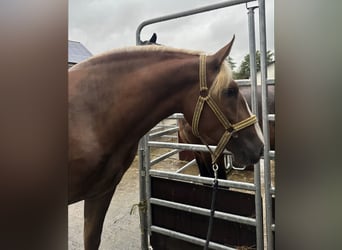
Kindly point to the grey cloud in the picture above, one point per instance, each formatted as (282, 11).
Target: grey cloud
(105, 24)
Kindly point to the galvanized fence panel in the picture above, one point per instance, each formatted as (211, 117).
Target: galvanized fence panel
(144, 148)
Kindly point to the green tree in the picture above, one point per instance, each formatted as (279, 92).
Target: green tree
(231, 62)
(244, 69)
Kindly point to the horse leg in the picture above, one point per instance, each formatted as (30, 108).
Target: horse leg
(221, 172)
(94, 214)
(202, 165)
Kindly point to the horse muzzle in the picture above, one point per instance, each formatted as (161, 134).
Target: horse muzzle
(248, 155)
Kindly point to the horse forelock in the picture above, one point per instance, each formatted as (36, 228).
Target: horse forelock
(222, 79)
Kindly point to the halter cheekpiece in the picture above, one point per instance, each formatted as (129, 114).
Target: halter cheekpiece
(205, 97)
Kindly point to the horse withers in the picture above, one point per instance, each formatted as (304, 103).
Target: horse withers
(117, 97)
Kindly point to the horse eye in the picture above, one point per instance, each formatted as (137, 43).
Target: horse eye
(230, 92)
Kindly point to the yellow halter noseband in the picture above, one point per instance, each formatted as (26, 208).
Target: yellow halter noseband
(205, 97)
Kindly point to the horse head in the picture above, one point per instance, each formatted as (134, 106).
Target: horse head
(221, 115)
(245, 144)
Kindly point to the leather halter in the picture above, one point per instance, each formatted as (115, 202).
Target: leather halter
(205, 97)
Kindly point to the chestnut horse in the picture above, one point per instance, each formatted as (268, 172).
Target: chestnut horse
(203, 159)
(117, 97)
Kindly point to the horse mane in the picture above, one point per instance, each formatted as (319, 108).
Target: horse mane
(110, 54)
(222, 80)
(154, 47)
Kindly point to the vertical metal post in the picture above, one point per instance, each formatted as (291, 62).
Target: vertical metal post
(144, 209)
(253, 78)
(252, 59)
(267, 172)
(143, 172)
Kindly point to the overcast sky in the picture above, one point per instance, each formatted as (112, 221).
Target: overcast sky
(102, 25)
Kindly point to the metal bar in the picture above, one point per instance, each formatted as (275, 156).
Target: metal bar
(254, 101)
(164, 156)
(163, 132)
(148, 211)
(160, 127)
(265, 123)
(170, 136)
(183, 146)
(201, 180)
(204, 211)
(271, 154)
(271, 117)
(272, 192)
(143, 172)
(190, 163)
(187, 13)
(247, 82)
(190, 147)
(270, 81)
(243, 82)
(188, 238)
(252, 60)
(176, 116)
(147, 167)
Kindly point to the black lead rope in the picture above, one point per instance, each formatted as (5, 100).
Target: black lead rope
(212, 211)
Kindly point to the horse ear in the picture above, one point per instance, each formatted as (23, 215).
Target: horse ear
(153, 39)
(222, 54)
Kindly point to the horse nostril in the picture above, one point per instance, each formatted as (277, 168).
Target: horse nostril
(262, 151)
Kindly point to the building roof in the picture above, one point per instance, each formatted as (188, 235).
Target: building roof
(77, 52)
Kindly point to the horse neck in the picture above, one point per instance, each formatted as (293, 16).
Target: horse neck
(152, 91)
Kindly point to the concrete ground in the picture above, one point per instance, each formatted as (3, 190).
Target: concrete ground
(121, 229)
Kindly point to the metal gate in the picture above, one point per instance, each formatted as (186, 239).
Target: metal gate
(184, 229)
